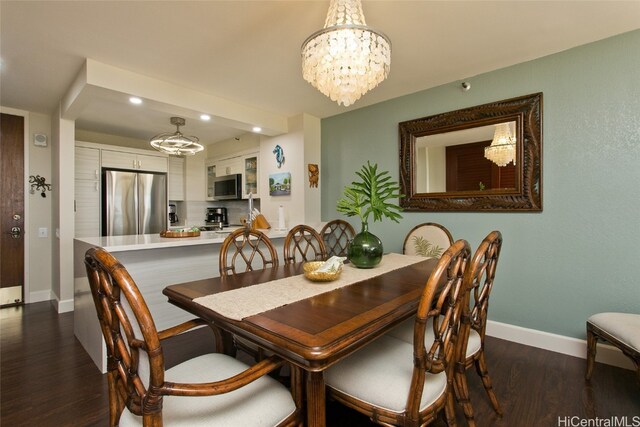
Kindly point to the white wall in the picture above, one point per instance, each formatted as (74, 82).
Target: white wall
(248, 141)
(301, 146)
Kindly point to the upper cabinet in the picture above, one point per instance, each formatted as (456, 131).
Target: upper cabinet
(210, 176)
(131, 160)
(245, 164)
(229, 166)
(176, 178)
(250, 176)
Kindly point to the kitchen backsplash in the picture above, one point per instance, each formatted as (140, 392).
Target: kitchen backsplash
(197, 211)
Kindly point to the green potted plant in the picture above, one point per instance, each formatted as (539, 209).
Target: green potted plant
(366, 198)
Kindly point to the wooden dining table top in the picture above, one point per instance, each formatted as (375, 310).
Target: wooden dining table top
(315, 332)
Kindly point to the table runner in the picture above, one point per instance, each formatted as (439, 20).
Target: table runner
(244, 302)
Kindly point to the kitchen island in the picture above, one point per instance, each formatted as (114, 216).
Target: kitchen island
(153, 262)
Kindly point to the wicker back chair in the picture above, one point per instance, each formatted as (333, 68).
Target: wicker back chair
(428, 240)
(479, 278)
(228, 391)
(399, 383)
(304, 242)
(246, 250)
(336, 235)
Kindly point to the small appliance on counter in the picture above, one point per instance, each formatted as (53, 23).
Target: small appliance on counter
(173, 216)
(217, 216)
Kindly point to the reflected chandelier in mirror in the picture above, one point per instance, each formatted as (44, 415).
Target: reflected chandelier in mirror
(482, 158)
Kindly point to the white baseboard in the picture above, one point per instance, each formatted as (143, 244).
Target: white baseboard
(560, 344)
(39, 296)
(63, 306)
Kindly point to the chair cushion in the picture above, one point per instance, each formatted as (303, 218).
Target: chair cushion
(404, 332)
(428, 241)
(264, 402)
(624, 326)
(380, 374)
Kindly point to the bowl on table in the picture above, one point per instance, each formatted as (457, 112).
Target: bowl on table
(311, 272)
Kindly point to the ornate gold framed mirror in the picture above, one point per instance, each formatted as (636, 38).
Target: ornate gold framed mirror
(482, 158)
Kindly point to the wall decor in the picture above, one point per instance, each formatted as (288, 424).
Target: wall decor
(279, 152)
(518, 182)
(38, 183)
(314, 175)
(280, 184)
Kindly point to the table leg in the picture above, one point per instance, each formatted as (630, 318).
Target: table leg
(315, 399)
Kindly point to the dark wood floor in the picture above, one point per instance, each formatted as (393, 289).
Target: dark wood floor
(48, 380)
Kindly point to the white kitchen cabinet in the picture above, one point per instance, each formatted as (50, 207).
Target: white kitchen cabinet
(210, 175)
(135, 161)
(87, 208)
(176, 178)
(87, 163)
(87, 192)
(229, 166)
(250, 175)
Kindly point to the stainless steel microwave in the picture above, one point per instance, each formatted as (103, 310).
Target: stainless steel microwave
(228, 187)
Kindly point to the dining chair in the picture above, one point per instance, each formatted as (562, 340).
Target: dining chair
(427, 240)
(247, 250)
(398, 383)
(622, 330)
(479, 279)
(212, 389)
(303, 243)
(336, 235)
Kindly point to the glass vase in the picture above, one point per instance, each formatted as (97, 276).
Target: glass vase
(365, 250)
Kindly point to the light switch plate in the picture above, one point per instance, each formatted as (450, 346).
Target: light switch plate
(43, 232)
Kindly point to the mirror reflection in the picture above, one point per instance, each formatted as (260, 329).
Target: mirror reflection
(477, 159)
(482, 158)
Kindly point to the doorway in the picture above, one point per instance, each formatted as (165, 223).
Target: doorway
(11, 210)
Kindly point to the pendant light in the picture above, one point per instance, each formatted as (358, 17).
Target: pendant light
(503, 147)
(346, 59)
(176, 144)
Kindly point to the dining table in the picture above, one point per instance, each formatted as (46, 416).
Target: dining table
(309, 324)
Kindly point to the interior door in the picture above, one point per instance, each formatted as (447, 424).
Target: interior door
(11, 210)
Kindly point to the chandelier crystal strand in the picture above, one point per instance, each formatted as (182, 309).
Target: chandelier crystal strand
(503, 147)
(346, 59)
(175, 143)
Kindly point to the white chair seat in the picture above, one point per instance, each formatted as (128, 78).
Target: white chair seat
(624, 326)
(264, 402)
(380, 374)
(404, 332)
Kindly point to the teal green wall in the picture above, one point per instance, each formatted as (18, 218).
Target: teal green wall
(579, 256)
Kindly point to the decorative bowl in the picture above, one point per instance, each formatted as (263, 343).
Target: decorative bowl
(319, 276)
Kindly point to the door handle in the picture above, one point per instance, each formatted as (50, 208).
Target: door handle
(15, 232)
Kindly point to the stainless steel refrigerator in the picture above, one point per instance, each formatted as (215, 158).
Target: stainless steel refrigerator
(133, 202)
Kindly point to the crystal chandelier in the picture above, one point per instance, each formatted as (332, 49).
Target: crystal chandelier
(176, 144)
(503, 147)
(346, 59)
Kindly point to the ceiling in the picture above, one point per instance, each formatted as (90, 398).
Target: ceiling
(248, 52)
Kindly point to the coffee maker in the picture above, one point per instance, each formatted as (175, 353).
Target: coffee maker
(218, 216)
(173, 216)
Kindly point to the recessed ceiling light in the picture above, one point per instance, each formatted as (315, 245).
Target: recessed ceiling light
(135, 100)
(257, 129)
(205, 117)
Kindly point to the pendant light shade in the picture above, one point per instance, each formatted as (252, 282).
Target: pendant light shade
(346, 59)
(175, 143)
(503, 147)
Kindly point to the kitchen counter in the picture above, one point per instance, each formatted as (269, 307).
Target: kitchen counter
(153, 262)
(154, 241)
